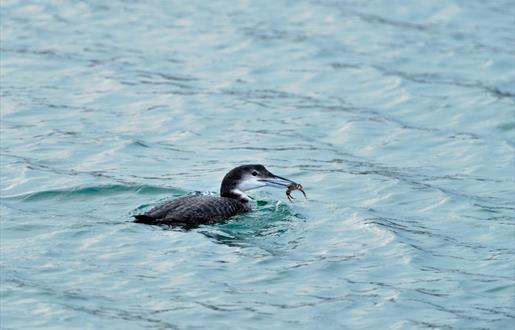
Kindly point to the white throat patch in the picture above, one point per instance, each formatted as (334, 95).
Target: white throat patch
(250, 182)
(241, 194)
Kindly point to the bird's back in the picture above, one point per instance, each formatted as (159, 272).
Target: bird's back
(193, 210)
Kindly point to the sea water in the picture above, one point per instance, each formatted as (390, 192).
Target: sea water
(398, 117)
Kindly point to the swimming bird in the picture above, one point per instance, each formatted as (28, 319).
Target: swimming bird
(197, 210)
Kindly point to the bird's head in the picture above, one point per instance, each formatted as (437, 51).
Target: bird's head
(247, 177)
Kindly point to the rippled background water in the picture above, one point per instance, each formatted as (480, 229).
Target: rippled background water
(397, 116)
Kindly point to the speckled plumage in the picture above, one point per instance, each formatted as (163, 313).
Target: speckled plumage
(194, 210)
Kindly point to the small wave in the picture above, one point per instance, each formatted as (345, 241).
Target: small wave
(91, 191)
(261, 228)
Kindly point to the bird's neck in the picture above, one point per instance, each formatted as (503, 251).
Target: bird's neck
(236, 194)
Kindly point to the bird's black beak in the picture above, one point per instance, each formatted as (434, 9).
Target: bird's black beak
(276, 181)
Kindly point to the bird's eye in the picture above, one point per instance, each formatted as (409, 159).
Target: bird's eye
(254, 173)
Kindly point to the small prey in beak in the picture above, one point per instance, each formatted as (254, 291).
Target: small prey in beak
(292, 187)
(280, 182)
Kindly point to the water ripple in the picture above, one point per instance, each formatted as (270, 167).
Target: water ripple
(396, 117)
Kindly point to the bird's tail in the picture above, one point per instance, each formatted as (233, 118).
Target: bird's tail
(141, 218)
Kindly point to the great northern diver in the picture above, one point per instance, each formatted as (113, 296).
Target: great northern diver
(197, 210)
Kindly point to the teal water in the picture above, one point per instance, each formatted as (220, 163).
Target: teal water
(398, 117)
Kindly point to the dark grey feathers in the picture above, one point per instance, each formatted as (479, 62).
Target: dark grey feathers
(193, 210)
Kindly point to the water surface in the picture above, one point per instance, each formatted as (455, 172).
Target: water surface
(396, 116)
